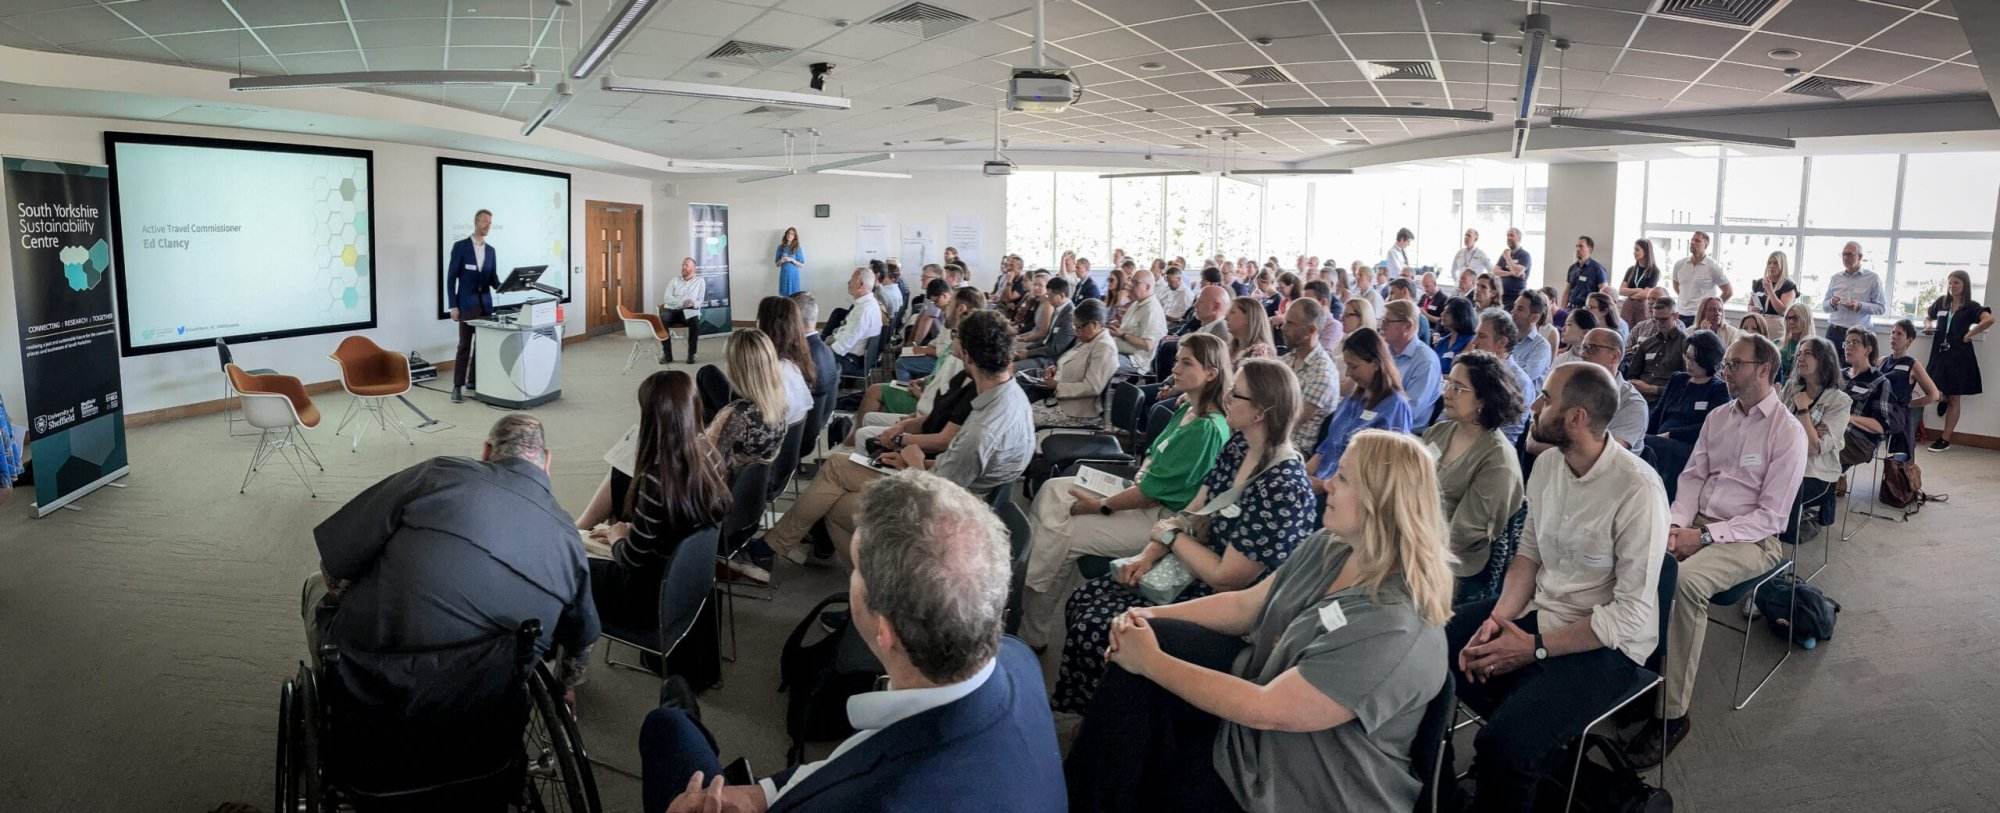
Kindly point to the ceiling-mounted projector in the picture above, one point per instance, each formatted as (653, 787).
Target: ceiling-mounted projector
(1042, 90)
(997, 168)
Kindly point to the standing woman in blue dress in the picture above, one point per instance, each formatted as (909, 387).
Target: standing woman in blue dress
(789, 258)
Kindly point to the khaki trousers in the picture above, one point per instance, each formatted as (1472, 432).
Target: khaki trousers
(1711, 570)
(1059, 539)
(835, 496)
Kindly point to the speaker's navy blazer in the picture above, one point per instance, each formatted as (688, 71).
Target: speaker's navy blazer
(471, 288)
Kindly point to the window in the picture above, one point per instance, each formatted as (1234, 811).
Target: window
(1190, 204)
(1921, 267)
(1853, 192)
(1951, 192)
(1031, 218)
(1135, 221)
(1763, 191)
(1285, 219)
(1083, 216)
(1681, 190)
(1236, 219)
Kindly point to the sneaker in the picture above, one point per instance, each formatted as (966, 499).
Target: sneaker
(798, 555)
(1645, 751)
(675, 693)
(1940, 445)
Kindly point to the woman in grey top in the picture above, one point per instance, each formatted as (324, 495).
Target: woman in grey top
(1479, 475)
(1318, 709)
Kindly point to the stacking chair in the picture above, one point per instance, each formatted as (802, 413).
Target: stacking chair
(278, 407)
(1745, 594)
(645, 331)
(1020, 536)
(746, 515)
(229, 417)
(685, 587)
(371, 376)
(786, 466)
(1430, 752)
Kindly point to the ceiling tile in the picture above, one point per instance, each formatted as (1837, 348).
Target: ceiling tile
(214, 45)
(1109, 45)
(16, 38)
(1812, 54)
(867, 42)
(400, 33)
(396, 9)
(1748, 77)
(301, 39)
(1686, 38)
(1388, 46)
(1642, 88)
(1189, 32)
(1725, 97)
(469, 58)
(144, 48)
(791, 30)
(1059, 20)
(1874, 66)
(1292, 20)
(712, 17)
(982, 71)
(1924, 35)
(285, 12)
(927, 57)
(1659, 66)
(1580, 57)
(1468, 48)
(1188, 81)
(1169, 63)
(179, 16)
(1317, 72)
(336, 62)
(31, 6)
(1306, 48)
(1372, 15)
(1224, 56)
(1843, 21)
(1616, 104)
(1133, 12)
(985, 39)
(73, 25)
(1594, 26)
(478, 31)
(1950, 79)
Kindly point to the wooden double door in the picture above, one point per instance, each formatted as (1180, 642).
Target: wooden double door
(614, 272)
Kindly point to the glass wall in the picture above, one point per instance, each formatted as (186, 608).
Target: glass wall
(1917, 217)
(1345, 218)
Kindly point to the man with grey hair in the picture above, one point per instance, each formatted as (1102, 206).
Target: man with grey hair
(964, 714)
(1497, 334)
(452, 549)
(826, 371)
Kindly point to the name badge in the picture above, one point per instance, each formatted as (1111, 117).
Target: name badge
(1368, 414)
(1752, 460)
(1447, 356)
(1858, 390)
(1649, 356)
(1700, 405)
(471, 267)
(1331, 617)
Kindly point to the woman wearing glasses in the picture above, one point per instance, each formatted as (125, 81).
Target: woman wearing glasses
(1479, 475)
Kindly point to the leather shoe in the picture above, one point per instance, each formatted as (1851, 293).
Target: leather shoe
(1644, 750)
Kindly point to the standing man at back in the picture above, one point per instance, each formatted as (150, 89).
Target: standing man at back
(1853, 296)
(1586, 275)
(1512, 269)
(1698, 277)
(470, 278)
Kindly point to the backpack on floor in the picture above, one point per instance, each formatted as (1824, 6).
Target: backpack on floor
(1903, 485)
(821, 675)
(1812, 618)
(1612, 786)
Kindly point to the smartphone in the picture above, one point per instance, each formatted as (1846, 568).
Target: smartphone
(738, 773)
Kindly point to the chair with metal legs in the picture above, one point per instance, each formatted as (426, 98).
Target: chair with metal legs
(646, 333)
(686, 584)
(371, 376)
(1745, 594)
(229, 417)
(277, 405)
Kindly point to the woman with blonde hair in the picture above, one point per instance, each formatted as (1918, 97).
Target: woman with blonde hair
(1773, 293)
(1359, 314)
(1798, 326)
(1754, 323)
(751, 428)
(1249, 330)
(1708, 316)
(1356, 613)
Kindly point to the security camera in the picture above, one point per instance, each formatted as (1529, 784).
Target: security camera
(820, 70)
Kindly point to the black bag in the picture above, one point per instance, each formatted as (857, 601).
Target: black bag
(1611, 787)
(1811, 619)
(820, 676)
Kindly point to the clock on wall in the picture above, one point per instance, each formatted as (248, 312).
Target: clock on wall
(822, 210)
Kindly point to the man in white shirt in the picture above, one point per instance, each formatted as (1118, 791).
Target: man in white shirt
(682, 306)
(863, 322)
(1580, 613)
(1699, 277)
(1472, 257)
(962, 707)
(1399, 254)
(1853, 296)
(1173, 299)
(1139, 331)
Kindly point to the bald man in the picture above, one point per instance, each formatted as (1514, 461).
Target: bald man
(1211, 306)
(1853, 296)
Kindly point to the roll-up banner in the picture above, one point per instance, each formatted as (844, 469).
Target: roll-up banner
(59, 219)
(708, 244)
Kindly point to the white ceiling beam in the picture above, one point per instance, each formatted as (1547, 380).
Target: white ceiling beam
(1981, 22)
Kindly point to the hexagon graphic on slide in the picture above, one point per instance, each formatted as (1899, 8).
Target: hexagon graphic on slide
(347, 189)
(348, 255)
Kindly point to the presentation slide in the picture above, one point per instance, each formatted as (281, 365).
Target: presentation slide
(238, 240)
(530, 222)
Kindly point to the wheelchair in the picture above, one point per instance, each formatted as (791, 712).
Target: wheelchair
(489, 733)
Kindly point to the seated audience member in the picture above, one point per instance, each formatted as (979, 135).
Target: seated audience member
(849, 342)
(1372, 398)
(751, 429)
(920, 355)
(1755, 324)
(895, 409)
(1174, 296)
(1655, 359)
(1496, 334)
(1814, 398)
(1070, 522)
(1600, 305)
(1875, 415)
(1253, 508)
(1034, 316)
(1359, 313)
(1416, 362)
(1209, 313)
(825, 380)
(1486, 292)
(1264, 289)
(1319, 381)
(990, 450)
(1533, 350)
(889, 288)
(1798, 323)
(1061, 334)
(1574, 328)
(962, 715)
(1684, 406)
(1602, 347)
(1311, 713)
(453, 549)
(1735, 497)
(1403, 290)
(1081, 375)
(629, 551)
(1330, 329)
(778, 319)
(680, 306)
(1455, 329)
(1141, 327)
(1709, 316)
(1478, 472)
(1579, 613)
(1432, 300)
(1249, 330)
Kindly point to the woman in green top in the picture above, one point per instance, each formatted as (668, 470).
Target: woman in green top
(1479, 475)
(1070, 522)
(1317, 711)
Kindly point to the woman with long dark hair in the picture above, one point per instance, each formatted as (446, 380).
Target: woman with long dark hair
(1953, 320)
(778, 319)
(1455, 329)
(1371, 398)
(1636, 288)
(789, 258)
(1814, 397)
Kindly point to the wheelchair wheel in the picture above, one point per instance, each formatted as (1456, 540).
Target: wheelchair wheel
(306, 783)
(558, 777)
(287, 713)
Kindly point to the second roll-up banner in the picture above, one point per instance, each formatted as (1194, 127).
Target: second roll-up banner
(708, 244)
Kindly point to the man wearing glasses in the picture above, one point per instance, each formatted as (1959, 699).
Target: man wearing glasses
(1852, 296)
(1734, 498)
(1415, 360)
(1654, 360)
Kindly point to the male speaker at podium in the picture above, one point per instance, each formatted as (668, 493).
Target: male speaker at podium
(473, 274)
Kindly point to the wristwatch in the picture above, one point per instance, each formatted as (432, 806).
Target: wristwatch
(1541, 652)
(1104, 508)
(1706, 538)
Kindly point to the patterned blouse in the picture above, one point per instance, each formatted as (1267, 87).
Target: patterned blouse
(1274, 512)
(747, 438)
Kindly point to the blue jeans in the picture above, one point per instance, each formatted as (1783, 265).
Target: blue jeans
(852, 365)
(908, 367)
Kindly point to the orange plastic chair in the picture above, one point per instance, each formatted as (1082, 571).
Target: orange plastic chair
(279, 408)
(372, 376)
(645, 331)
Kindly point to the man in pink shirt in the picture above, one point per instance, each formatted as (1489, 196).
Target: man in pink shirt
(1734, 499)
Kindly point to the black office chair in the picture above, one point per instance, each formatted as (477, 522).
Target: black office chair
(1020, 537)
(787, 463)
(685, 585)
(1060, 450)
(750, 494)
(713, 387)
(1430, 752)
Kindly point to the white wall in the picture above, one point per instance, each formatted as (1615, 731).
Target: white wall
(405, 268)
(1580, 197)
(760, 212)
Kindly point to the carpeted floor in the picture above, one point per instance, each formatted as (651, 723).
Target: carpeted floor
(146, 635)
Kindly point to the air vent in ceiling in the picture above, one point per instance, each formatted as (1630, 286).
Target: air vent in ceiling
(923, 20)
(1553, 111)
(1260, 75)
(1728, 12)
(750, 54)
(1415, 69)
(940, 104)
(1827, 87)
(773, 112)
